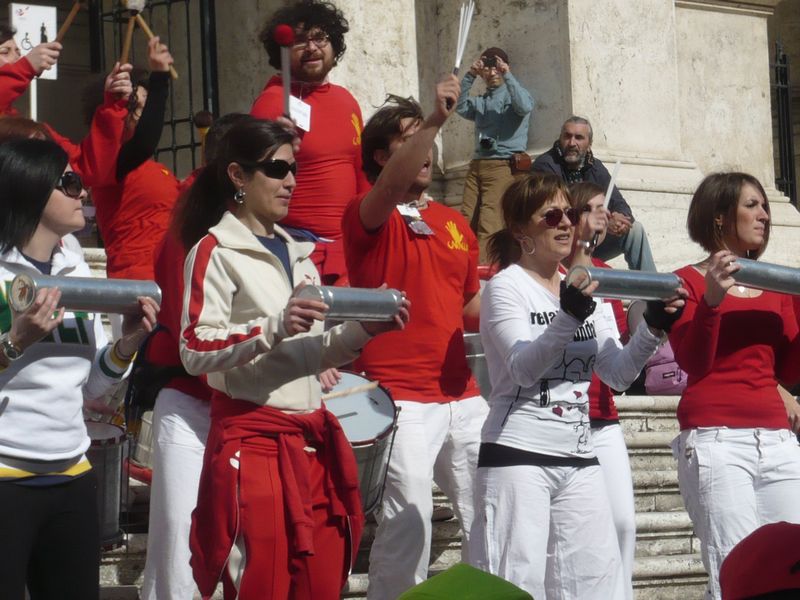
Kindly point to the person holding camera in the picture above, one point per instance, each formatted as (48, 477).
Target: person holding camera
(501, 115)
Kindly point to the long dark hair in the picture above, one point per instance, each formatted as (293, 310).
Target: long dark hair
(522, 198)
(246, 143)
(29, 171)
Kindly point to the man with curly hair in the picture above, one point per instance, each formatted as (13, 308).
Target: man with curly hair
(329, 160)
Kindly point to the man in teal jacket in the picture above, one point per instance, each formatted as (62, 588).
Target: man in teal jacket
(501, 115)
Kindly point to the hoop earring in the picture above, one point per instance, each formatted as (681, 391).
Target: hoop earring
(238, 197)
(522, 240)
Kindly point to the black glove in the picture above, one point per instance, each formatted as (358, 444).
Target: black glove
(658, 318)
(574, 303)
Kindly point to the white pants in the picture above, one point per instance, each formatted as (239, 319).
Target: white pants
(732, 482)
(434, 442)
(180, 429)
(547, 530)
(609, 445)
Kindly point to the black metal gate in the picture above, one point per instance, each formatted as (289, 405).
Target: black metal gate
(786, 177)
(188, 27)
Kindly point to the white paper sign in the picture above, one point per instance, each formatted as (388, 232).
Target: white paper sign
(35, 25)
(300, 113)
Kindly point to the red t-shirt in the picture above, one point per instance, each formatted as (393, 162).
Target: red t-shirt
(426, 362)
(329, 171)
(163, 346)
(734, 355)
(601, 398)
(133, 217)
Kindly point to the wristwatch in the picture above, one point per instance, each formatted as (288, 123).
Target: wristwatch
(11, 351)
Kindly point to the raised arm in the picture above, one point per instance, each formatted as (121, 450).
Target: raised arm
(145, 139)
(403, 166)
(17, 76)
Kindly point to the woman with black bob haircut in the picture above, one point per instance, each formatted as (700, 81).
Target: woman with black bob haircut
(51, 360)
(281, 522)
(738, 459)
(543, 520)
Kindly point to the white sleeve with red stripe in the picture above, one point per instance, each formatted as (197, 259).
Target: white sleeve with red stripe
(209, 342)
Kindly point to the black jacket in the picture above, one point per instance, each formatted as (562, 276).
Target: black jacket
(593, 170)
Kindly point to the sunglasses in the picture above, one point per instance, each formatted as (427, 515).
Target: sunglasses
(553, 217)
(70, 184)
(276, 168)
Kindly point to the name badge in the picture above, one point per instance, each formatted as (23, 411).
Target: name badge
(300, 113)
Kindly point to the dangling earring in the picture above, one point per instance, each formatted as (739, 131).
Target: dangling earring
(238, 197)
(522, 240)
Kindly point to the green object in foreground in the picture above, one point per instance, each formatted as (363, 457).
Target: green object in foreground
(463, 582)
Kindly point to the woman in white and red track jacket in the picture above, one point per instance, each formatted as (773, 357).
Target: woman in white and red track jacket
(278, 502)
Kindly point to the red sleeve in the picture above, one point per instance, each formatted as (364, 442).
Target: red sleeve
(14, 80)
(357, 239)
(472, 285)
(695, 335)
(362, 183)
(787, 367)
(95, 158)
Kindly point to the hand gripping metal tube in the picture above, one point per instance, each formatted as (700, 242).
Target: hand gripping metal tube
(618, 283)
(767, 276)
(355, 304)
(88, 294)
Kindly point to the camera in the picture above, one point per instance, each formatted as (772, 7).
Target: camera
(489, 62)
(488, 143)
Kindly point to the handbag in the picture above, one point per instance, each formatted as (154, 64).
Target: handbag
(663, 376)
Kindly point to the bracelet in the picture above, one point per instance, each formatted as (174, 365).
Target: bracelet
(119, 358)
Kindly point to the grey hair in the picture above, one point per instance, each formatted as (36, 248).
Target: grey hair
(579, 121)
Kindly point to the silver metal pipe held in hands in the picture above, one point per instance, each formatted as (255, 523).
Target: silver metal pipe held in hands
(618, 283)
(355, 304)
(767, 276)
(89, 294)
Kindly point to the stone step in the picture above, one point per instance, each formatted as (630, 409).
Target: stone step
(676, 577)
(665, 534)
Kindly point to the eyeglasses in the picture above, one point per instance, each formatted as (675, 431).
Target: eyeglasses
(553, 217)
(319, 39)
(276, 168)
(70, 184)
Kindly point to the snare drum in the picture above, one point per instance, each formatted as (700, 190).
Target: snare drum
(105, 456)
(368, 419)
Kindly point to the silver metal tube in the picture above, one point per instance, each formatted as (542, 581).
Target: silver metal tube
(618, 283)
(355, 304)
(90, 294)
(768, 276)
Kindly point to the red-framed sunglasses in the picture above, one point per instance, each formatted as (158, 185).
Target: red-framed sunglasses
(553, 216)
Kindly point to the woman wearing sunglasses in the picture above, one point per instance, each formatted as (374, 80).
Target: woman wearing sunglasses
(538, 476)
(278, 513)
(51, 361)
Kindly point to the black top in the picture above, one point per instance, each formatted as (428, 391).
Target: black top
(277, 245)
(145, 138)
(44, 267)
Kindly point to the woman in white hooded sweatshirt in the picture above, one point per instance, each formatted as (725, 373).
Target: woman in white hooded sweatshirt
(51, 359)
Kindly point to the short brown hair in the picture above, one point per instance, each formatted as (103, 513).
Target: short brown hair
(15, 128)
(718, 196)
(580, 193)
(382, 127)
(521, 199)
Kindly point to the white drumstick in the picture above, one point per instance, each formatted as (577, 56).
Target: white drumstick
(356, 389)
(607, 199)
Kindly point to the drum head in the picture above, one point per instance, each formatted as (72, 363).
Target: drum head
(365, 416)
(102, 434)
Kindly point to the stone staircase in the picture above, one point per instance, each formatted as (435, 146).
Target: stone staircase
(668, 565)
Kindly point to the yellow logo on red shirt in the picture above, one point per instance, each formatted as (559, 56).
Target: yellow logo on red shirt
(458, 242)
(357, 127)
